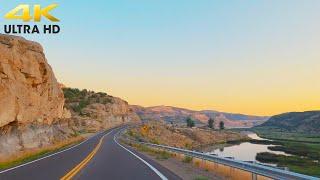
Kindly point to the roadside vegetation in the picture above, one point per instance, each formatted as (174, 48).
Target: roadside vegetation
(183, 137)
(28, 156)
(159, 154)
(187, 159)
(201, 178)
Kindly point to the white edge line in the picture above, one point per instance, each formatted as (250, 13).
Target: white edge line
(21, 165)
(145, 162)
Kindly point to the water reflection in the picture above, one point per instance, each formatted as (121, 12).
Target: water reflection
(255, 136)
(245, 151)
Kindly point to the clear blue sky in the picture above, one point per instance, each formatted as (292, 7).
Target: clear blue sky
(258, 57)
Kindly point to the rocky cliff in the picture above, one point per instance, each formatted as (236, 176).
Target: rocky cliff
(33, 112)
(29, 91)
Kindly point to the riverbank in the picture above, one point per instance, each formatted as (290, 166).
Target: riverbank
(244, 151)
(305, 158)
(276, 134)
(304, 150)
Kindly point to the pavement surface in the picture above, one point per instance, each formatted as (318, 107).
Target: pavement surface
(111, 161)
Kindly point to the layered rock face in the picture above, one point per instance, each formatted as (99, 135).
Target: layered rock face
(117, 112)
(29, 91)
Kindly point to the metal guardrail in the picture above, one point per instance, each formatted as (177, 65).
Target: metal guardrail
(266, 171)
(257, 169)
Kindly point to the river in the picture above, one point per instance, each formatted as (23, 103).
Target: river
(245, 151)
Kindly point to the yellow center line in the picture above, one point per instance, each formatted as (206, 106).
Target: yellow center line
(78, 168)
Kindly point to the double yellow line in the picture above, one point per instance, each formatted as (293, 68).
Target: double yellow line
(78, 168)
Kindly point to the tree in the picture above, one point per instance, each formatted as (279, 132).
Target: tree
(190, 122)
(211, 123)
(221, 125)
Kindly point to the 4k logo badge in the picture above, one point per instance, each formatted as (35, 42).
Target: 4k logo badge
(38, 12)
(31, 13)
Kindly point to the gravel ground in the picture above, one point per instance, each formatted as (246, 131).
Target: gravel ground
(186, 171)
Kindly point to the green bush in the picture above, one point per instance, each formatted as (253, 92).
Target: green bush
(82, 104)
(190, 122)
(201, 178)
(163, 155)
(106, 101)
(71, 94)
(187, 159)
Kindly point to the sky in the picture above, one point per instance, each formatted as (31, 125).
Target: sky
(258, 57)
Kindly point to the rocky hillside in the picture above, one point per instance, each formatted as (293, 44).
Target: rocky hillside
(98, 110)
(33, 113)
(179, 115)
(305, 122)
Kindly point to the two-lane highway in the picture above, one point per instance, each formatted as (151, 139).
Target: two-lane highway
(100, 157)
(114, 161)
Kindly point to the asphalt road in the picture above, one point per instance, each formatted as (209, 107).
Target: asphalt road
(111, 161)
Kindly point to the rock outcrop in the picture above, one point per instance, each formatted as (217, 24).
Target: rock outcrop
(109, 114)
(97, 110)
(29, 91)
(33, 111)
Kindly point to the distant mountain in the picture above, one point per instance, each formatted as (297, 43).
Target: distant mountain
(307, 122)
(179, 115)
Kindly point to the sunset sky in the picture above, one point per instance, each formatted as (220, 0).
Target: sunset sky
(254, 57)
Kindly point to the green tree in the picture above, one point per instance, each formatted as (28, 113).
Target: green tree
(190, 122)
(221, 125)
(211, 123)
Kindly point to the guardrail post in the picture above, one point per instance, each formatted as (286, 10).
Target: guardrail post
(254, 176)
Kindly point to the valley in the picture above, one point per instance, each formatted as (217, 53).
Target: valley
(41, 120)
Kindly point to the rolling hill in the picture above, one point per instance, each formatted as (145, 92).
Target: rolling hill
(305, 122)
(178, 116)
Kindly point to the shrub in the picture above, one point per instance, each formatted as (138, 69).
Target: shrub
(106, 101)
(190, 122)
(163, 155)
(221, 125)
(201, 178)
(211, 123)
(82, 104)
(71, 94)
(187, 159)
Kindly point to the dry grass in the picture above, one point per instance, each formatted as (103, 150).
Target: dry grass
(33, 154)
(187, 138)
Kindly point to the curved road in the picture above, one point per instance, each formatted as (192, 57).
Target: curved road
(111, 161)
